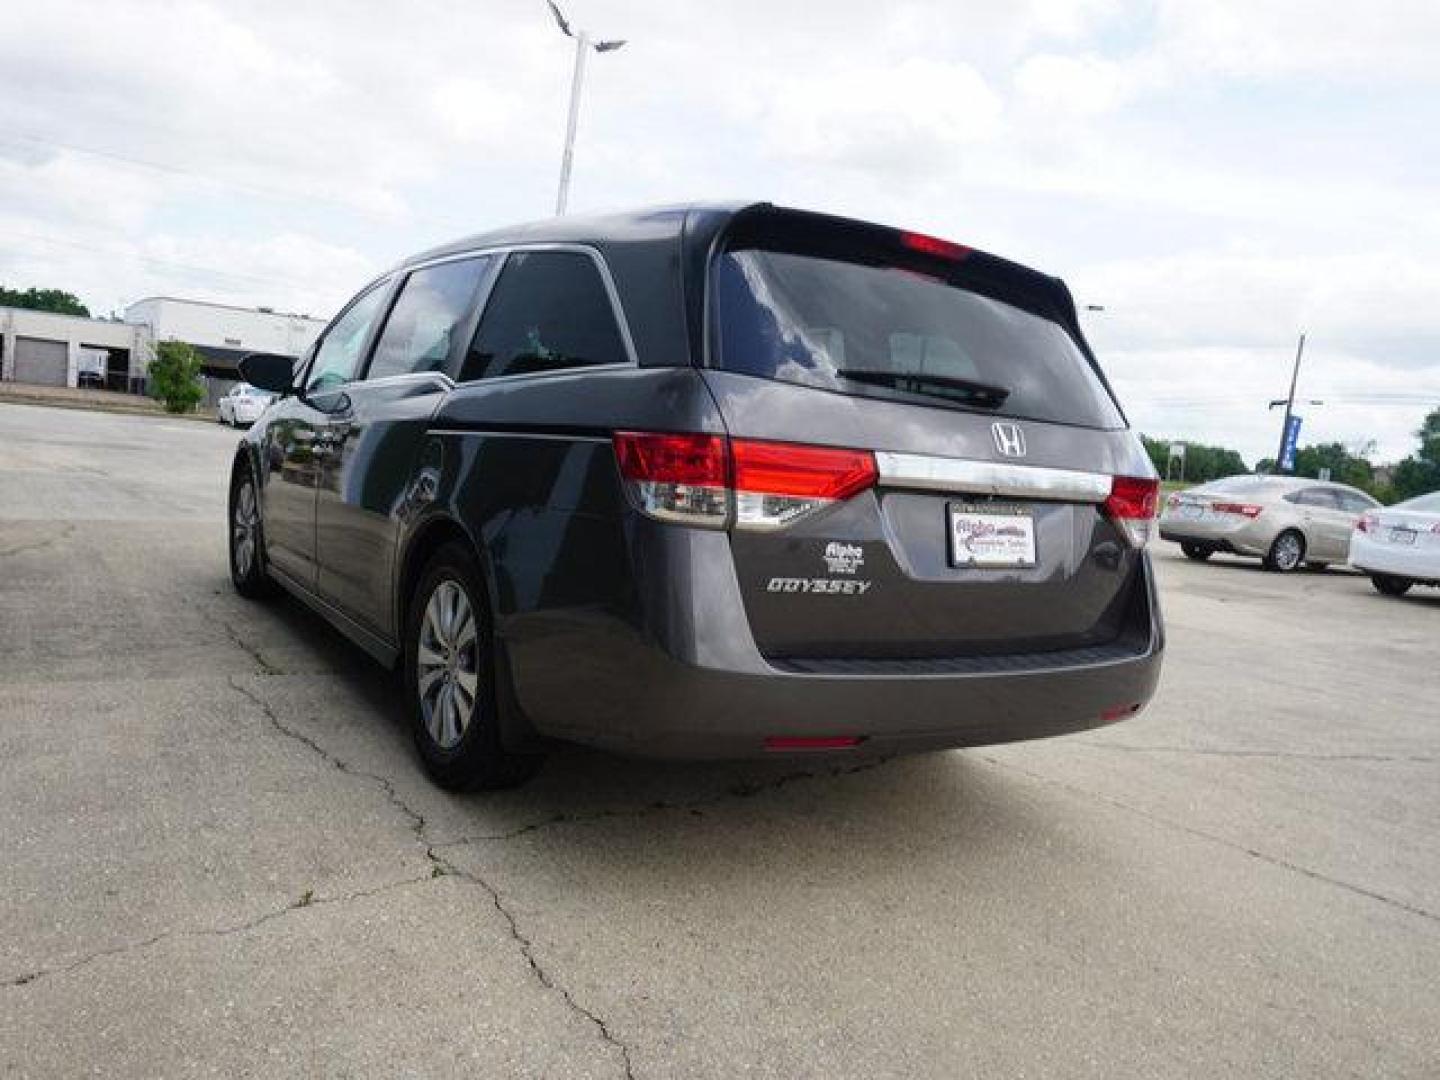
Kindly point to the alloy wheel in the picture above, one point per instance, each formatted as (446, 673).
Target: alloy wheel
(1288, 550)
(447, 666)
(245, 528)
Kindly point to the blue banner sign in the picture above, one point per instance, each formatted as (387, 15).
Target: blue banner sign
(1287, 448)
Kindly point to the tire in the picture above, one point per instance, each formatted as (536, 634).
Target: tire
(1389, 585)
(1198, 552)
(1287, 552)
(247, 536)
(455, 720)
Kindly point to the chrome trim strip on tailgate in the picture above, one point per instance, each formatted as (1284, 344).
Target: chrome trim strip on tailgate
(990, 478)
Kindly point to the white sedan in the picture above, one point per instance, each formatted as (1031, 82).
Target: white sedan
(1399, 546)
(242, 405)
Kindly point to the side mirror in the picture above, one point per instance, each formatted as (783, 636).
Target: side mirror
(269, 371)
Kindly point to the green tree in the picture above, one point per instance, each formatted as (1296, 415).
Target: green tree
(1345, 467)
(175, 376)
(56, 300)
(1419, 473)
(1202, 462)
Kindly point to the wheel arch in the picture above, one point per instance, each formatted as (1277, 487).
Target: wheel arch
(423, 541)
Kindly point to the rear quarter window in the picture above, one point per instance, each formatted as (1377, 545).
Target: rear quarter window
(549, 311)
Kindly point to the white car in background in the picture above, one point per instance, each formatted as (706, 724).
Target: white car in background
(1399, 546)
(242, 405)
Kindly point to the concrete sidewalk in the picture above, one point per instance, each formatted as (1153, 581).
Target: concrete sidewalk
(69, 397)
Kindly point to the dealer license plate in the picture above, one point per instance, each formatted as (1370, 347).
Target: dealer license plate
(991, 535)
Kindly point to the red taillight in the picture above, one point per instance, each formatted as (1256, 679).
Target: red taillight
(695, 479)
(682, 478)
(1249, 510)
(933, 245)
(1173, 501)
(811, 742)
(1118, 712)
(676, 459)
(808, 472)
(1366, 523)
(1132, 504)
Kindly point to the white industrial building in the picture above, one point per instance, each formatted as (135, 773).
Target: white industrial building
(64, 350)
(47, 349)
(222, 334)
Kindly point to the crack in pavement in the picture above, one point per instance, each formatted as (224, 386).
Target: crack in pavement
(66, 531)
(1297, 755)
(538, 970)
(1235, 845)
(306, 901)
(253, 651)
(444, 867)
(734, 792)
(417, 819)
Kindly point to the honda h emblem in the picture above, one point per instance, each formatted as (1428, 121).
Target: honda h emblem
(1009, 439)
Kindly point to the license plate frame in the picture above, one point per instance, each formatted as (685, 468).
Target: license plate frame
(1400, 534)
(991, 536)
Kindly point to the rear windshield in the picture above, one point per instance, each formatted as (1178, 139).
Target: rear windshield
(893, 331)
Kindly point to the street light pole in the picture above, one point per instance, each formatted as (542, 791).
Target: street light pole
(1289, 407)
(582, 41)
(577, 79)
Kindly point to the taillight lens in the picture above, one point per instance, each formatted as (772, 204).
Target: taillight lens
(776, 484)
(1132, 504)
(1249, 510)
(696, 479)
(1367, 522)
(682, 478)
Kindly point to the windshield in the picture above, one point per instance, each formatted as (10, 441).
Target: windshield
(894, 332)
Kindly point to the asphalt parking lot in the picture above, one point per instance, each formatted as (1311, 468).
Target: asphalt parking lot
(220, 856)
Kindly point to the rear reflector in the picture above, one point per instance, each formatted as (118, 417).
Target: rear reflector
(1249, 510)
(811, 742)
(1118, 712)
(1132, 504)
(933, 245)
(700, 479)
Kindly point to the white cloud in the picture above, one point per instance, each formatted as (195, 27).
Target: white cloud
(911, 115)
(1080, 85)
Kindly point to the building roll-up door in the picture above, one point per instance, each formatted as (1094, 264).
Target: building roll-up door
(44, 362)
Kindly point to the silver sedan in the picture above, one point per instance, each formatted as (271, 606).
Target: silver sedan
(1284, 521)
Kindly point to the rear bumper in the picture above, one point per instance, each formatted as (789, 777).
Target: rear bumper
(1245, 538)
(700, 689)
(1393, 559)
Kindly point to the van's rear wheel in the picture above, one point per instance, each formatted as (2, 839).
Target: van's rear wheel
(247, 536)
(1286, 553)
(1198, 552)
(1389, 585)
(450, 679)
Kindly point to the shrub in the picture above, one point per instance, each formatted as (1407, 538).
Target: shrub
(175, 376)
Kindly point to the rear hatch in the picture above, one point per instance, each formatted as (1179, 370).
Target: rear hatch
(990, 522)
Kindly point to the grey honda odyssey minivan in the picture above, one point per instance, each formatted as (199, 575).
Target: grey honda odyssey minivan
(710, 481)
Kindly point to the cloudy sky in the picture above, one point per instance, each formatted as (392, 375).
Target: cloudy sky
(1217, 175)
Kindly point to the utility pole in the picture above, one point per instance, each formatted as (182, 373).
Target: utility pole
(1289, 407)
(582, 40)
(582, 43)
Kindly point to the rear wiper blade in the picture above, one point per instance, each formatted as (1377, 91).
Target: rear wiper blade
(968, 391)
